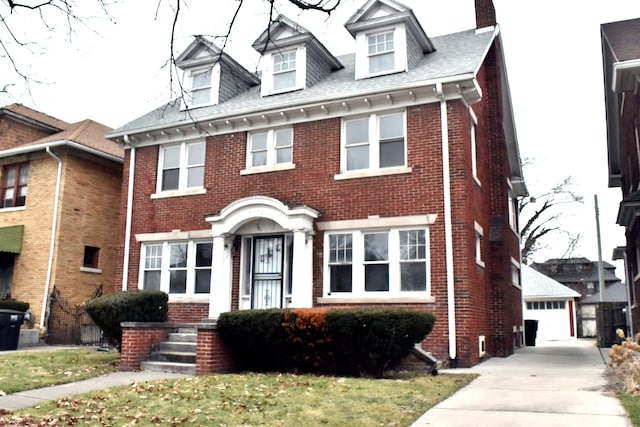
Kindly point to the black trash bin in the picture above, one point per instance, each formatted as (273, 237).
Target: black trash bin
(10, 321)
(530, 332)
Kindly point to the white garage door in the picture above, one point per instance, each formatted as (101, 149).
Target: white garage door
(553, 319)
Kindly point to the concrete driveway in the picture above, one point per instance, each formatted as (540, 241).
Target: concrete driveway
(555, 383)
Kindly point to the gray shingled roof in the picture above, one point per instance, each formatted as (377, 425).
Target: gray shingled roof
(458, 54)
(537, 285)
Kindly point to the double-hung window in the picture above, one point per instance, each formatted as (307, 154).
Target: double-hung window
(14, 185)
(377, 262)
(270, 148)
(177, 268)
(201, 86)
(284, 70)
(374, 142)
(380, 51)
(181, 166)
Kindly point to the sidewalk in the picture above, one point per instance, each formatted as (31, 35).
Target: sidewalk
(24, 399)
(556, 383)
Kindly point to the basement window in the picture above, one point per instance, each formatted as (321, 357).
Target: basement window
(90, 260)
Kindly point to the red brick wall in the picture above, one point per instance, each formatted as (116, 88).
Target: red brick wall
(188, 312)
(137, 342)
(213, 355)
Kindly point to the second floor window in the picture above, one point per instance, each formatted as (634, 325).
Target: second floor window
(181, 166)
(14, 185)
(380, 52)
(270, 148)
(284, 70)
(373, 142)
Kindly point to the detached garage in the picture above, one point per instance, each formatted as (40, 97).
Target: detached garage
(550, 303)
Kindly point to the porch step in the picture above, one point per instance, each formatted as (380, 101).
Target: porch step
(157, 366)
(177, 354)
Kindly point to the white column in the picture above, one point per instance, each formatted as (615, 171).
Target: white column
(220, 295)
(302, 271)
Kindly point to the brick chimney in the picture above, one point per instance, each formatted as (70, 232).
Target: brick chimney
(485, 13)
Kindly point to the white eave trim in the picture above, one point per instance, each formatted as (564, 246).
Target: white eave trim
(462, 86)
(43, 146)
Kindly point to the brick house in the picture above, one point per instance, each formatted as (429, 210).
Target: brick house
(621, 69)
(388, 177)
(61, 177)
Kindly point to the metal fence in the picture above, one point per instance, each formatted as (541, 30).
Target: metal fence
(70, 324)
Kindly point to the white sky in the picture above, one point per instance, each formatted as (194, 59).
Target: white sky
(112, 72)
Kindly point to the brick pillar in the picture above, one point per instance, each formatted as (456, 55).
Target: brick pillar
(137, 341)
(212, 354)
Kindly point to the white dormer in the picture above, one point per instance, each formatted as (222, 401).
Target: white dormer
(389, 38)
(292, 58)
(208, 72)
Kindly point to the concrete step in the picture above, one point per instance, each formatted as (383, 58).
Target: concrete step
(159, 366)
(173, 356)
(183, 337)
(178, 346)
(187, 330)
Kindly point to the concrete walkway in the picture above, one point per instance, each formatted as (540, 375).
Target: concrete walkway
(555, 383)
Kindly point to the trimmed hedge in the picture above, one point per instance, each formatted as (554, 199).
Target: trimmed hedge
(11, 304)
(353, 342)
(109, 311)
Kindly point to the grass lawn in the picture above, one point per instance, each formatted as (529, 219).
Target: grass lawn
(251, 400)
(631, 404)
(27, 370)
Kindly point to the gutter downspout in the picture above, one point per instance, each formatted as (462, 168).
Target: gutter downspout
(54, 225)
(448, 229)
(127, 233)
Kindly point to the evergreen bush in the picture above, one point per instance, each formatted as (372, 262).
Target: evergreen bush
(11, 304)
(108, 311)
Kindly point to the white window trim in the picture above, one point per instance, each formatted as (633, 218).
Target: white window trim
(215, 86)
(190, 294)
(399, 47)
(374, 168)
(266, 85)
(271, 165)
(182, 190)
(512, 209)
(358, 269)
(516, 264)
(474, 155)
(479, 243)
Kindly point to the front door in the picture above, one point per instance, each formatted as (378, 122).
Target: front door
(267, 272)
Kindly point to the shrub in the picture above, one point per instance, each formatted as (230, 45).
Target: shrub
(354, 342)
(109, 311)
(11, 304)
(623, 372)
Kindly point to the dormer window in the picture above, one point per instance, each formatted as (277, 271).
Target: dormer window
(201, 87)
(284, 70)
(381, 53)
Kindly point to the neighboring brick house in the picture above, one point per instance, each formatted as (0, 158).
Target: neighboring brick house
(389, 177)
(621, 69)
(61, 177)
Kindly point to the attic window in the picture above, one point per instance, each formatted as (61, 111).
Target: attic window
(201, 86)
(284, 70)
(380, 52)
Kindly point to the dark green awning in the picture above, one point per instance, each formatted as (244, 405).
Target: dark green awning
(11, 239)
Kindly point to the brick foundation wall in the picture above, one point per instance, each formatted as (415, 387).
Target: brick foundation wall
(188, 312)
(137, 341)
(213, 355)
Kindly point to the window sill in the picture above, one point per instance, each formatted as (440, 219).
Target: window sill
(91, 270)
(372, 173)
(377, 300)
(179, 193)
(187, 299)
(265, 169)
(14, 209)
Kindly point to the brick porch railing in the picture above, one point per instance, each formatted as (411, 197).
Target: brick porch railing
(140, 338)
